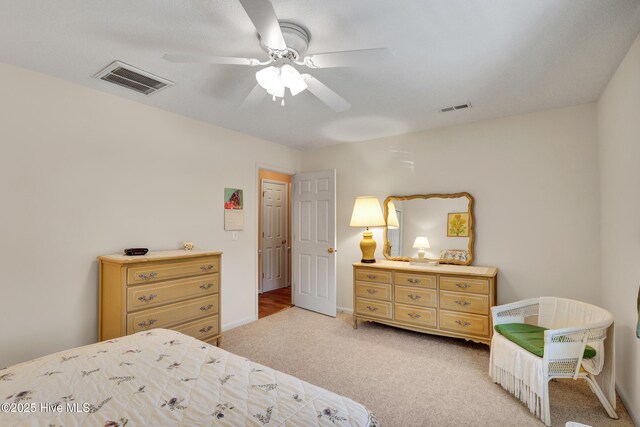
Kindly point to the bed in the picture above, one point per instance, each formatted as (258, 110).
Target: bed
(164, 378)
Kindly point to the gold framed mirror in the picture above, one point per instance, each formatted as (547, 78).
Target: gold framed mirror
(429, 226)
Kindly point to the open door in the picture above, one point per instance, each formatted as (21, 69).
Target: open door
(314, 241)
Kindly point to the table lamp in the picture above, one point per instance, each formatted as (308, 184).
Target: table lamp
(367, 213)
(421, 244)
(392, 217)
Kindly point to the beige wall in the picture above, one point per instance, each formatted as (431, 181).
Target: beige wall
(535, 181)
(619, 148)
(83, 173)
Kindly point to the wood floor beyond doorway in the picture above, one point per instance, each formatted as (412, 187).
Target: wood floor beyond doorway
(274, 301)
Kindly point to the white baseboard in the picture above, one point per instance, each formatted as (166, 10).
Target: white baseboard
(240, 322)
(345, 310)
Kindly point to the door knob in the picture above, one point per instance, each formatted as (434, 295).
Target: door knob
(331, 250)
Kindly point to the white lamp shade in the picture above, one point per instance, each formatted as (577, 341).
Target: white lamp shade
(421, 243)
(392, 217)
(367, 213)
(292, 79)
(277, 89)
(267, 76)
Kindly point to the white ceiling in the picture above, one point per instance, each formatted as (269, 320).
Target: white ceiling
(505, 57)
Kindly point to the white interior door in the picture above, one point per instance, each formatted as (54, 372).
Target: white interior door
(274, 235)
(314, 241)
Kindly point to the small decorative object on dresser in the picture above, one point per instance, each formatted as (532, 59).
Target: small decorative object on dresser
(187, 246)
(136, 251)
(449, 300)
(177, 290)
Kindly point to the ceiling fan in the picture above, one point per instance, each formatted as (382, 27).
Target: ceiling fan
(286, 44)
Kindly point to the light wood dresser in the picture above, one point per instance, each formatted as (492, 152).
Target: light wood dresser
(450, 300)
(177, 290)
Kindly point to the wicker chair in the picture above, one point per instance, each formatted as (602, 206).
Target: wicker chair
(564, 347)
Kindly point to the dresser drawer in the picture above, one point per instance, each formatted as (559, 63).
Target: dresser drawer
(171, 314)
(416, 315)
(370, 275)
(468, 303)
(163, 271)
(368, 307)
(413, 279)
(464, 323)
(200, 329)
(153, 295)
(374, 291)
(464, 284)
(416, 296)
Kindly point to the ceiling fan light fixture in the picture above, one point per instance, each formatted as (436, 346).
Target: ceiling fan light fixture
(276, 79)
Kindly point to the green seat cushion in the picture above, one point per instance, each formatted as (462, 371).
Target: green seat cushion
(531, 338)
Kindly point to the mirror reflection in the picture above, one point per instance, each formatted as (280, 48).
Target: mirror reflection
(432, 226)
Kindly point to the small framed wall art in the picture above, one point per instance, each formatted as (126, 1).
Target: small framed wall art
(233, 209)
(458, 224)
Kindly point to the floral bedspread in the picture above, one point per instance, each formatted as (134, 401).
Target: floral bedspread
(164, 378)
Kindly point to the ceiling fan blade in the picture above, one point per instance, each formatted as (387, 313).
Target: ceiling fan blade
(254, 98)
(349, 58)
(326, 95)
(266, 22)
(209, 59)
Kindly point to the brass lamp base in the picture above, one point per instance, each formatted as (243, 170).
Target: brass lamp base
(368, 248)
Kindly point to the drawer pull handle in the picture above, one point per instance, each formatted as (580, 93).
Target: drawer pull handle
(371, 291)
(372, 308)
(147, 276)
(144, 324)
(206, 286)
(206, 307)
(371, 276)
(414, 315)
(207, 267)
(207, 329)
(462, 303)
(414, 297)
(462, 323)
(412, 280)
(145, 298)
(463, 285)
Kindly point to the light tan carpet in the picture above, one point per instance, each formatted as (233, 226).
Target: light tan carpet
(405, 378)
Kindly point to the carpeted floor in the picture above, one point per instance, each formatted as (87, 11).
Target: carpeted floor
(405, 378)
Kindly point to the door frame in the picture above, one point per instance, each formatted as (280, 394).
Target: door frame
(256, 260)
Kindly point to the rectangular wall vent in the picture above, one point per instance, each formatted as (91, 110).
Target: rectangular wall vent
(455, 107)
(133, 78)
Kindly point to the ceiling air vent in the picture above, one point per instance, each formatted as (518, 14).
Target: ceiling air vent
(133, 78)
(455, 107)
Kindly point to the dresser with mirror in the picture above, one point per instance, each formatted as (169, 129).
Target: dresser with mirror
(426, 282)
